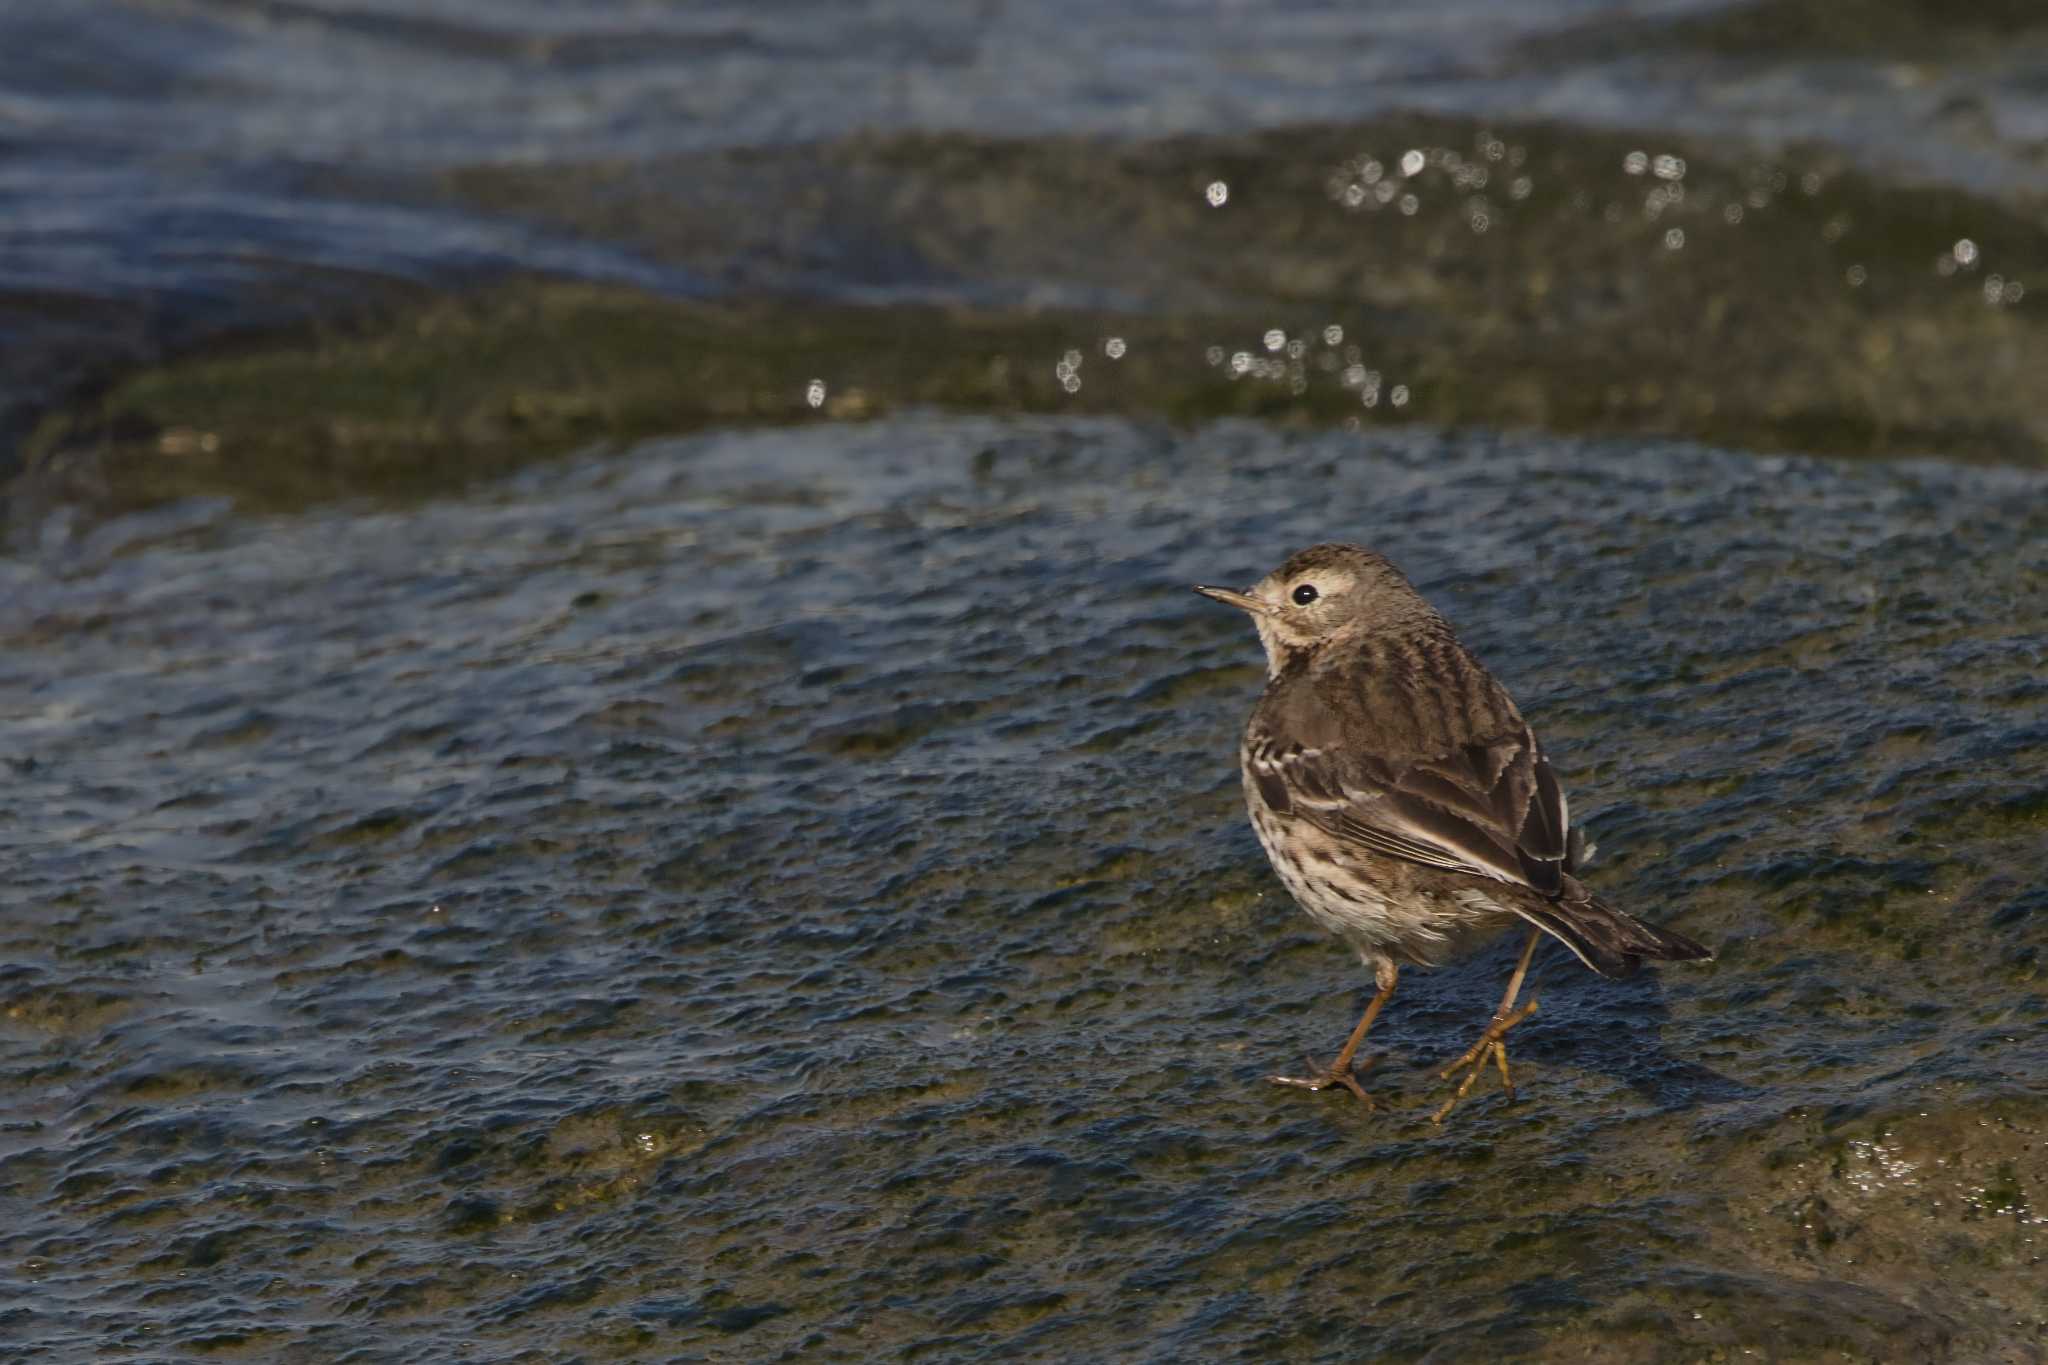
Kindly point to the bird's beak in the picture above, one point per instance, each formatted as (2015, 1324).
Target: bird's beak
(1231, 597)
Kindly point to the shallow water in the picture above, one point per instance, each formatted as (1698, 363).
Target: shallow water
(788, 890)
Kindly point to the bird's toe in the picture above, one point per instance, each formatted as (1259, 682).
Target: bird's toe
(1322, 1077)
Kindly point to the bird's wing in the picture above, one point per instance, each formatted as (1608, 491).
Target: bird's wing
(1491, 807)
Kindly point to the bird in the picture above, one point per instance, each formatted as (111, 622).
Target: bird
(1406, 804)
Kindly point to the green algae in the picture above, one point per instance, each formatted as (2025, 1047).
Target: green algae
(1786, 304)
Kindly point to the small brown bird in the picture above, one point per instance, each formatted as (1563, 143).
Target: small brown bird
(1405, 802)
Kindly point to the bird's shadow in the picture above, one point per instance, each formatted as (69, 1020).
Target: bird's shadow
(1610, 1027)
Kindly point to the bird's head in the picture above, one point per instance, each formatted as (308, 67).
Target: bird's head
(1321, 593)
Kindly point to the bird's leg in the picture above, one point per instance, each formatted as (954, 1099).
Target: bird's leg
(1492, 1044)
(1338, 1072)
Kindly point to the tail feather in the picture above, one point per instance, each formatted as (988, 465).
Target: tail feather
(1609, 941)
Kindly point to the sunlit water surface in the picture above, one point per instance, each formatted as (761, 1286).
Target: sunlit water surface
(788, 891)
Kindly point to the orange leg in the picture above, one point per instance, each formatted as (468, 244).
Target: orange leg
(1492, 1044)
(1339, 1071)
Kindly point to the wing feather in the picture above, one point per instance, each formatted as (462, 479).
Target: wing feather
(1490, 809)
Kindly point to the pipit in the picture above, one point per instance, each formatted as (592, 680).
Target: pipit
(1404, 801)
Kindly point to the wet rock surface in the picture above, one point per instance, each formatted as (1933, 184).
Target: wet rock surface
(1451, 270)
(787, 891)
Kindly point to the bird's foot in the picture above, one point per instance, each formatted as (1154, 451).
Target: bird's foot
(1492, 1046)
(1323, 1077)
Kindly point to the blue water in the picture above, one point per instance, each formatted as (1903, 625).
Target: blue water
(785, 892)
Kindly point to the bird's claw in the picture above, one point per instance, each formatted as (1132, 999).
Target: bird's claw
(1323, 1077)
(1492, 1045)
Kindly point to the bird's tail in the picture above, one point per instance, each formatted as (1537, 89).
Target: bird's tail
(1608, 940)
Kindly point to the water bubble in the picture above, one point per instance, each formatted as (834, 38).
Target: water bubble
(1296, 349)
(1071, 383)
(1733, 213)
(1495, 149)
(1114, 348)
(1412, 162)
(1354, 196)
(1674, 240)
(1240, 362)
(1668, 167)
(1384, 191)
(1214, 355)
(1758, 197)
(1856, 275)
(1400, 395)
(1218, 194)
(1333, 335)
(1994, 289)
(1371, 171)
(1275, 339)
(1072, 359)
(2014, 291)
(1635, 163)
(1945, 264)
(1832, 230)
(1409, 204)
(1810, 183)
(1520, 188)
(814, 394)
(1965, 252)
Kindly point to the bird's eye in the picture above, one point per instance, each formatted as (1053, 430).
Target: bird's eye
(1305, 594)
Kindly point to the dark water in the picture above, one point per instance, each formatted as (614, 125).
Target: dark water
(786, 893)
(556, 807)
